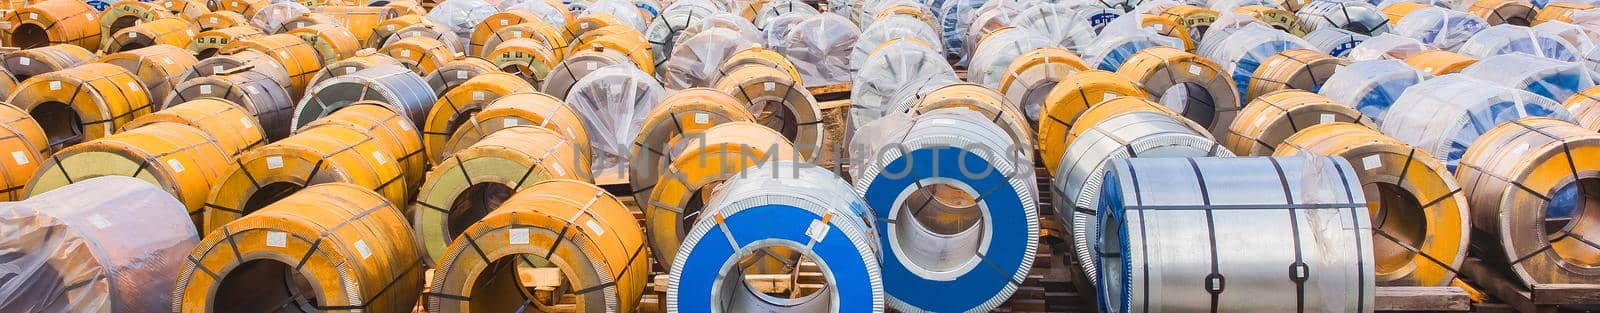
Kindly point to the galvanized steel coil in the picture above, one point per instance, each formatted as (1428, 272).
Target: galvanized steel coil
(531, 108)
(363, 59)
(579, 64)
(1506, 38)
(1496, 12)
(1278, 18)
(167, 31)
(458, 72)
(1335, 42)
(985, 101)
(234, 129)
(996, 52)
(888, 29)
(1585, 108)
(820, 48)
(266, 101)
(52, 22)
(298, 58)
(333, 42)
(427, 29)
(1032, 75)
(208, 43)
(1359, 17)
(758, 56)
(395, 86)
(1439, 27)
(24, 142)
(549, 35)
(158, 67)
(458, 105)
(181, 159)
(613, 102)
(1552, 79)
(1264, 124)
(690, 179)
(1207, 96)
(382, 33)
(1243, 51)
(779, 102)
(680, 116)
(1444, 115)
(421, 54)
(663, 30)
(1300, 69)
(896, 65)
(1070, 27)
(82, 103)
(1077, 93)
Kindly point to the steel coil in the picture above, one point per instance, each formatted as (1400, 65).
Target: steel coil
(613, 102)
(1077, 93)
(25, 143)
(985, 101)
(820, 47)
(888, 29)
(52, 22)
(115, 250)
(1559, 11)
(383, 32)
(492, 25)
(550, 36)
(167, 31)
(1444, 115)
(457, 72)
(82, 103)
(530, 59)
(1169, 26)
(1070, 27)
(628, 42)
(243, 7)
(1528, 201)
(158, 67)
(996, 52)
(1387, 47)
(1417, 210)
(7, 82)
(680, 117)
(1031, 77)
(694, 61)
(267, 102)
(333, 42)
(363, 59)
(1269, 120)
(1109, 51)
(181, 159)
(393, 132)
(779, 102)
(359, 20)
(188, 10)
(774, 9)
(1439, 27)
(1496, 12)
(303, 20)
(394, 86)
(1244, 51)
(780, 206)
(762, 57)
(663, 30)
(1206, 95)
(208, 43)
(1304, 216)
(1552, 79)
(1585, 108)
(500, 164)
(23, 64)
(1359, 17)
(329, 247)
(1194, 20)
(127, 13)
(215, 20)
(530, 108)
(698, 166)
(298, 58)
(421, 54)
(896, 65)
(1398, 10)
(233, 128)
(1277, 18)
(1505, 39)
(1292, 69)
(458, 105)
(1335, 42)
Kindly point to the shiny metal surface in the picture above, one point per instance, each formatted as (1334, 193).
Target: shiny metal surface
(395, 86)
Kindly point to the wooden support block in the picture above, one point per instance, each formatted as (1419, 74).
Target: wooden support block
(1563, 294)
(1422, 299)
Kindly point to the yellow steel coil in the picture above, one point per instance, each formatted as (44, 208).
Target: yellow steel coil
(1301, 69)
(758, 56)
(305, 19)
(529, 108)
(1585, 108)
(181, 159)
(332, 153)
(577, 65)
(296, 56)
(208, 43)
(82, 103)
(914, 11)
(363, 59)
(385, 28)
(780, 102)
(1196, 20)
(1419, 216)
(333, 42)
(1280, 19)
(550, 35)
(491, 25)
(628, 41)
(457, 72)
(31, 62)
(23, 148)
(1399, 10)
(222, 19)
(359, 20)
(158, 67)
(569, 227)
(1530, 186)
(1070, 98)
(458, 105)
(1211, 99)
(394, 133)
(1032, 75)
(1439, 62)
(985, 101)
(1169, 26)
(422, 55)
(1120, 105)
(167, 31)
(243, 7)
(256, 93)
(1496, 12)
(233, 128)
(1560, 11)
(127, 13)
(52, 22)
(1268, 120)
(188, 10)
(679, 116)
(528, 58)
(697, 167)
(577, 26)
(475, 180)
(430, 29)
(398, 8)
(331, 247)
(7, 82)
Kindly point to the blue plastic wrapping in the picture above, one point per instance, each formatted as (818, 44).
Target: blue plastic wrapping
(1371, 86)
(1574, 35)
(1121, 39)
(1334, 41)
(1244, 50)
(1443, 115)
(1552, 79)
(954, 18)
(1439, 27)
(1507, 38)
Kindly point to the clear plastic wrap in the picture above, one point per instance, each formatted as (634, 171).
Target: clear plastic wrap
(1226, 24)
(694, 61)
(1356, 16)
(546, 13)
(1443, 115)
(461, 16)
(728, 21)
(1071, 29)
(1371, 86)
(1334, 41)
(1439, 27)
(1387, 47)
(1244, 50)
(898, 65)
(623, 10)
(871, 139)
(904, 99)
(1545, 77)
(955, 17)
(663, 31)
(820, 48)
(268, 19)
(1574, 35)
(1229, 5)
(997, 52)
(116, 250)
(777, 28)
(778, 8)
(1507, 38)
(888, 28)
(1121, 39)
(991, 17)
(613, 102)
(866, 11)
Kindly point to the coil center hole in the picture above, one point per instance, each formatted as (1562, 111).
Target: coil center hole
(268, 194)
(1191, 100)
(29, 36)
(61, 124)
(940, 228)
(775, 277)
(474, 203)
(522, 283)
(1399, 216)
(264, 286)
(1572, 213)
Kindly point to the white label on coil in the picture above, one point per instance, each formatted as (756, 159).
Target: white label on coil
(702, 118)
(389, 28)
(583, 25)
(361, 248)
(168, 4)
(19, 157)
(508, 123)
(214, 20)
(25, 61)
(299, 25)
(595, 227)
(167, 60)
(235, 3)
(277, 239)
(1108, 96)
(349, 70)
(556, 167)
(405, 126)
(284, 54)
(177, 167)
(89, 16)
(189, 32)
(769, 86)
(517, 236)
(33, 16)
(133, 86)
(99, 221)
(378, 155)
(55, 85)
(1325, 118)
(516, 34)
(461, 74)
(133, 35)
(246, 122)
(477, 96)
(205, 89)
(1194, 69)
(216, 68)
(414, 34)
(817, 230)
(1371, 162)
(505, 22)
(274, 162)
(405, 53)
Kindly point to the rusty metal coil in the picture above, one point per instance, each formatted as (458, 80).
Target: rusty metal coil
(576, 66)
(1276, 18)
(158, 67)
(1268, 120)
(677, 118)
(491, 25)
(1069, 99)
(1496, 12)
(359, 20)
(234, 128)
(778, 101)
(332, 153)
(23, 147)
(167, 31)
(333, 42)
(395, 86)
(222, 19)
(329, 247)
(528, 58)
(697, 167)
(421, 54)
(296, 56)
(1420, 217)
(759, 56)
(1585, 107)
(602, 262)
(243, 7)
(181, 159)
(1292, 69)
(394, 133)
(550, 35)
(457, 106)
(429, 29)
(458, 71)
(83, 103)
(529, 108)
(208, 43)
(1527, 182)
(1031, 76)
(1209, 96)
(31, 62)
(363, 59)
(1560, 11)
(1440, 62)
(381, 32)
(188, 10)
(127, 13)
(52, 22)
(257, 94)
(475, 180)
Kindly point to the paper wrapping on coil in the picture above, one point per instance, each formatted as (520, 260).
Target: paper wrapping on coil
(694, 61)
(461, 15)
(268, 19)
(1507, 38)
(1443, 115)
(889, 28)
(1387, 47)
(620, 9)
(546, 13)
(1334, 41)
(613, 102)
(115, 251)
(1244, 50)
(997, 52)
(1071, 29)
(1439, 27)
(1552, 79)
(1121, 39)
(820, 48)
(898, 66)
(1371, 86)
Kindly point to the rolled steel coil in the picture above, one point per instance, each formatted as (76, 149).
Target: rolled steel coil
(896, 65)
(1439, 27)
(888, 29)
(1243, 52)
(298, 58)
(774, 9)
(1292, 69)
(572, 69)
(1420, 217)
(428, 29)
(1208, 97)
(1496, 12)
(394, 86)
(491, 25)
(114, 250)
(1108, 52)
(1277, 202)
(333, 42)
(695, 60)
(624, 12)
(274, 18)
(1528, 201)
(1552, 79)
(1359, 17)
(422, 55)
(1585, 108)
(1070, 27)
(1068, 100)
(52, 22)
(82, 103)
(332, 153)
(266, 101)
(788, 206)
(1277, 18)
(762, 57)
(388, 27)
(945, 246)
(529, 108)
(1387, 47)
(780, 103)
(475, 181)
(996, 52)
(23, 64)
(363, 59)
(530, 59)
(1168, 26)
(181, 159)
(458, 105)
(1440, 62)
(233, 128)
(306, 19)
(1194, 20)
(985, 101)
(331, 247)
(613, 102)
(208, 43)
(697, 167)
(158, 67)
(587, 22)
(663, 30)
(680, 117)
(7, 82)
(1444, 115)
(1032, 75)
(549, 35)
(457, 72)
(819, 47)
(167, 31)
(628, 42)
(1559, 11)
(215, 20)
(1335, 42)
(243, 7)
(1269, 120)
(393, 132)
(359, 20)
(24, 142)
(188, 10)
(127, 13)
(1505, 39)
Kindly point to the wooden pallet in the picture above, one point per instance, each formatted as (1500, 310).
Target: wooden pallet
(1518, 297)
